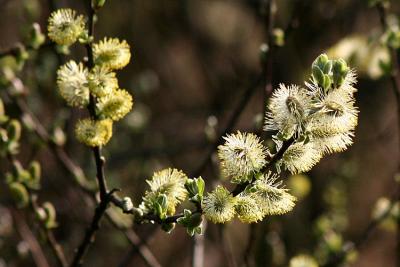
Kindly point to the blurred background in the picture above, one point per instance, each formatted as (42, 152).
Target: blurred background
(192, 62)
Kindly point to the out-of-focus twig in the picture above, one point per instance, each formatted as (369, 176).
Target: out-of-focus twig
(233, 119)
(198, 247)
(54, 245)
(337, 259)
(24, 231)
(395, 79)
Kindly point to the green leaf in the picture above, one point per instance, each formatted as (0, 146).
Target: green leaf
(14, 130)
(318, 75)
(320, 61)
(328, 67)
(19, 194)
(200, 186)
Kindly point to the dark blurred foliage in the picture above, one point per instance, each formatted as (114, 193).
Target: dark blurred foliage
(192, 59)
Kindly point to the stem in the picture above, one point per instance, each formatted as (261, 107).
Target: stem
(91, 231)
(236, 191)
(198, 248)
(105, 196)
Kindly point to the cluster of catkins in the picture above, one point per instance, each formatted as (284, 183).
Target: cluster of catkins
(82, 85)
(312, 121)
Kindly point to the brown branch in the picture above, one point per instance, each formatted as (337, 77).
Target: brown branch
(34, 246)
(91, 231)
(105, 196)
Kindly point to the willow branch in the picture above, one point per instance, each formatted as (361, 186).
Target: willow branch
(236, 191)
(105, 196)
(91, 231)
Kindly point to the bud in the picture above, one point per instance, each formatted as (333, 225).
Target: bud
(210, 128)
(317, 75)
(35, 170)
(36, 37)
(195, 187)
(328, 67)
(35, 174)
(320, 61)
(327, 82)
(2, 112)
(14, 130)
(19, 194)
(50, 221)
(264, 49)
(340, 70)
(278, 37)
(96, 4)
(127, 204)
(21, 55)
(58, 136)
(161, 206)
(393, 38)
(40, 213)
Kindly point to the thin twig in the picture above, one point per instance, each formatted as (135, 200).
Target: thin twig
(248, 93)
(138, 245)
(198, 247)
(51, 240)
(395, 80)
(338, 258)
(249, 247)
(54, 245)
(13, 51)
(34, 246)
(91, 231)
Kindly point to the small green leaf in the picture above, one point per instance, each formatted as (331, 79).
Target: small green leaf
(318, 75)
(328, 67)
(320, 61)
(14, 130)
(19, 194)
